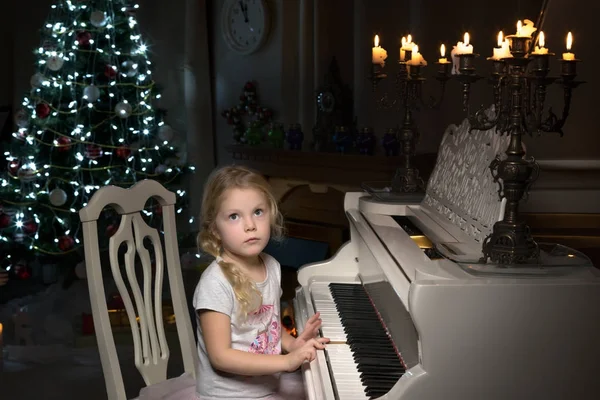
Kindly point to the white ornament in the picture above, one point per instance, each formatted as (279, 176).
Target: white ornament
(58, 197)
(165, 133)
(80, 271)
(55, 63)
(11, 212)
(98, 19)
(37, 80)
(129, 68)
(123, 109)
(91, 93)
(26, 174)
(19, 237)
(160, 169)
(22, 119)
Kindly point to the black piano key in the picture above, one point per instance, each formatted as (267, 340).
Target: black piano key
(375, 356)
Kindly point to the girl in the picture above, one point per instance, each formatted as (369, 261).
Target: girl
(244, 353)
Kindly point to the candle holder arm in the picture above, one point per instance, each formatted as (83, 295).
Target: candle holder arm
(552, 123)
(376, 76)
(384, 103)
(533, 111)
(432, 103)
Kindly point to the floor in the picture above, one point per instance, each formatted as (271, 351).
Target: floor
(59, 373)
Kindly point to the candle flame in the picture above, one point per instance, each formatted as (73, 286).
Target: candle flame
(542, 39)
(500, 38)
(415, 49)
(442, 50)
(569, 41)
(409, 39)
(403, 41)
(376, 41)
(466, 39)
(519, 26)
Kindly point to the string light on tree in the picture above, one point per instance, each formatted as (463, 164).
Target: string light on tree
(90, 120)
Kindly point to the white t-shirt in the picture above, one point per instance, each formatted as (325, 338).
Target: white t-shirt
(259, 332)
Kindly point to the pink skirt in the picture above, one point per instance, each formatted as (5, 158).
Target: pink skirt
(291, 387)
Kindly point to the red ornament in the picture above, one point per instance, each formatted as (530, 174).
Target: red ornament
(123, 152)
(111, 230)
(30, 227)
(83, 38)
(110, 71)
(87, 324)
(92, 151)
(22, 271)
(13, 167)
(4, 220)
(115, 303)
(42, 110)
(64, 143)
(66, 243)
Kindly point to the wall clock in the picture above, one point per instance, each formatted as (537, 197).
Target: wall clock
(245, 24)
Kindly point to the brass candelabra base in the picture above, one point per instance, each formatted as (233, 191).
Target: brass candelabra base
(407, 180)
(511, 243)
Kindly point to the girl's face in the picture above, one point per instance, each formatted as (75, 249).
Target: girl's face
(243, 222)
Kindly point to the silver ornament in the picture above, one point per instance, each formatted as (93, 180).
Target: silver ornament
(129, 68)
(165, 133)
(123, 109)
(55, 63)
(98, 19)
(91, 93)
(57, 197)
(37, 80)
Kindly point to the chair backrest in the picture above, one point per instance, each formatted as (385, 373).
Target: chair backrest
(145, 311)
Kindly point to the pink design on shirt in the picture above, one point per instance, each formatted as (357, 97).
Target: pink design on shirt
(267, 341)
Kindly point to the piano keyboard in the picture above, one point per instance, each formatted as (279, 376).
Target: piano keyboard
(362, 359)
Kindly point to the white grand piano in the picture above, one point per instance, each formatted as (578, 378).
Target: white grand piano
(412, 314)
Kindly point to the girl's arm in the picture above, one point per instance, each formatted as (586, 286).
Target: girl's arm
(287, 341)
(216, 332)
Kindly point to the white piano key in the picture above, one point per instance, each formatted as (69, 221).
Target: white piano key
(347, 376)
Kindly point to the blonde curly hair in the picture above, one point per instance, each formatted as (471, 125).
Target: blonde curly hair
(218, 183)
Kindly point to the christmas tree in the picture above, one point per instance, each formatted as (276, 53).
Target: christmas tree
(87, 122)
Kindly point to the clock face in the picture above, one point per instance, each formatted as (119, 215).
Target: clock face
(245, 24)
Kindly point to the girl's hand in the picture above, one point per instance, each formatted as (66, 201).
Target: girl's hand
(306, 352)
(311, 329)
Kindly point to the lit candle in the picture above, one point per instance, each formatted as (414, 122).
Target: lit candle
(503, 49)
(542, 42)
(406, 45)
(464, 47)
(568, 55)
(443, 54)
(379, 54)
(416, 57)
(525, 30)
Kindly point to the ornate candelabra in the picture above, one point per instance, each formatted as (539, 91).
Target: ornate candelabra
(408, 99)
(519, 80)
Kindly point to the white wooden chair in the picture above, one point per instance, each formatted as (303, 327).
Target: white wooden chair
(151, 352)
